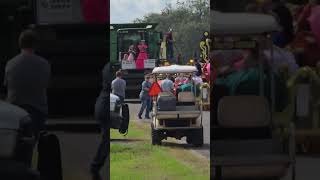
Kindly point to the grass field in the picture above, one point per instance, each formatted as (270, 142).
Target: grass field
(133, 157)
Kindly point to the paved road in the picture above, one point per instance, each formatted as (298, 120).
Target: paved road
(78, 150)
(203, 151)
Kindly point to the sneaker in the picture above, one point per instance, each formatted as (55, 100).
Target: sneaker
(139, 116)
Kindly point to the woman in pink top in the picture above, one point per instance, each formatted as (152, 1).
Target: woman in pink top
(310, 18)
(142, 55)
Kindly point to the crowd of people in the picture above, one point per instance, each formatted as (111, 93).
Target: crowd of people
(296, 52)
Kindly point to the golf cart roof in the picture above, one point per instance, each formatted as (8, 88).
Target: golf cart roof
(242, 24)
(174, 69)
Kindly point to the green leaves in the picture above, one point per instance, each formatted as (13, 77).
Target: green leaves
(188, 19)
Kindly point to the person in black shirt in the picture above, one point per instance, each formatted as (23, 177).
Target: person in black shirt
(198, 66)
(285, 19)
(102, 116)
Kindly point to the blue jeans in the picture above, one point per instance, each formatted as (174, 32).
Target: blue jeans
(170, 51)
(25, 152)
(145, 105)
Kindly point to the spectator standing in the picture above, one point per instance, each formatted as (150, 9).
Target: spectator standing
(118, 86)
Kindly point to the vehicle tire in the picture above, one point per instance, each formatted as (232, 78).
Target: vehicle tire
(196, 138)
(125, 119)
(155, 137)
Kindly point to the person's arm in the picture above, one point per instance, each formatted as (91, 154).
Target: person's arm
(49, 74)
(112, 85)
(5, 80)
(302, 19)
(144, 86)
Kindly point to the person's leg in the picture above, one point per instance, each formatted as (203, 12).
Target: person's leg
(101, 155)
(148, 101)
(171, 51)
(143, 106)
(25, 152)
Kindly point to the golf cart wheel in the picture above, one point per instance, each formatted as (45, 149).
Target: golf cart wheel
(196, 138)
(125, 119)
(155, 138)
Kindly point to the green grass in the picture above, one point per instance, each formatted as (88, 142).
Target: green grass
(142, 161)
(134, 133)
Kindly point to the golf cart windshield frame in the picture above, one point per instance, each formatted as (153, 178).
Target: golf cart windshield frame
(264, 42)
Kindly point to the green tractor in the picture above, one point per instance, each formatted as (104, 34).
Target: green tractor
(122, 36)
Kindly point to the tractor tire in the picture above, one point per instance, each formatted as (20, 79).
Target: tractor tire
(196, 138)
(125, 119)
(155, 137)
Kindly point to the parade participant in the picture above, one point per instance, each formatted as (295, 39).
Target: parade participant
(131, 54)
(170, 45)
(198, 66)
(118, 86)
(283, 14)
(188, 86)
(145, 98)
(309, 19)
(163, 49)
(167, 85)
(179, 59)
(282, 57)
(142, 55)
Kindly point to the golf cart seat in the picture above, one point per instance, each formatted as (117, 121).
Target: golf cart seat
(181, 111)
(186, 97)
(248, 157)
(186, 100)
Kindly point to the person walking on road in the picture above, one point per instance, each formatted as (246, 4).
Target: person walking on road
(118, 86)
(102, 115)
(145, 98)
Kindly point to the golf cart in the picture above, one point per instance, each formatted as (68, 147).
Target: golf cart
(246, 141)
(176, 114)
(16, 139)
(119, 114)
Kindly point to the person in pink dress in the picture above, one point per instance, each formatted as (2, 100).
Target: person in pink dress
(130, 55)
(143, 55)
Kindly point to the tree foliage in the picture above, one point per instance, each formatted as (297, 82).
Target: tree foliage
(188, 19)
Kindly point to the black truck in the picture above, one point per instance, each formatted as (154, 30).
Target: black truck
(77, 51)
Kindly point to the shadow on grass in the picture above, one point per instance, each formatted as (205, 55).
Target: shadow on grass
(127, 140)
(185, 146)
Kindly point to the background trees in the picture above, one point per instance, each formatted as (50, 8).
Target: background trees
(188, 19)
